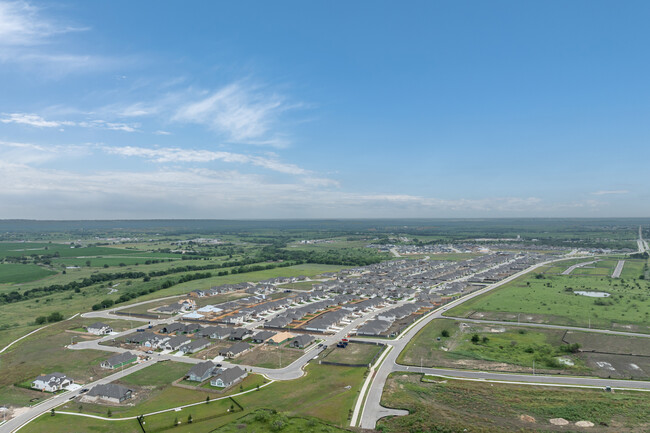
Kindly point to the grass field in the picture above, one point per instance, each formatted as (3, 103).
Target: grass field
(45, 352)
(321, 393)
(447, 406)
(19, 273)
(262, 420)
(354, 353)
(498, 348)
(550, 299)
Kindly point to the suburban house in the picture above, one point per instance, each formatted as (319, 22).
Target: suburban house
(201, 372)
(374, 327)
(119, 360)
(176, 342)
(197, 293)
(215, 332)
(302, 341)
(239, 334)
(235, 350)
(147, 339)
(228, 377)
(110, 392)
(262, 336)
(195, 346)
(99, 328)
(51, 382)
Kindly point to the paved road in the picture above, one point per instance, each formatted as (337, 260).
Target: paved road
(548, 326)
(528, 378)
(20, 421)
(579, 265)
(619, 269)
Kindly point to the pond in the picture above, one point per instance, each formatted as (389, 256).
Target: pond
(592, 294)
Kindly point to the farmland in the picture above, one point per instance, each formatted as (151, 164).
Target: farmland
(16, 274)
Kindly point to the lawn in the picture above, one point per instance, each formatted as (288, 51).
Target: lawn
(546, 298)
(264, 420)
(18, 273)
(447, 406)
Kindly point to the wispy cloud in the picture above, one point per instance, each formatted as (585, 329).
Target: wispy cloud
(22, 24)
(611, 192)
(39, 122)
(243, 114)
(175, 154)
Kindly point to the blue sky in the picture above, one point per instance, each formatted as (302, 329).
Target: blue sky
(323, 109)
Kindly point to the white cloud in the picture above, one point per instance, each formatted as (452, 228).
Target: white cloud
(161, 132)
(243, 114)
(611, 192)
(22, 24)
(39, 122)
(175, 154)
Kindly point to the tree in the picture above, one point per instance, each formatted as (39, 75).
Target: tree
(175, 421)
(55, 317)
(207, 399)
(485, 339)
(189, 419)
(40, 320)
(475, 338)
(445, 333)
(52, 412)
(88, 263)
(109, 413)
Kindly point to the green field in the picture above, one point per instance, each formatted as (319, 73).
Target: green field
(498, 348)
(45, 352)
(18, 273)
(547, 298)
(354, 353)
(447, 406)
(321, 393)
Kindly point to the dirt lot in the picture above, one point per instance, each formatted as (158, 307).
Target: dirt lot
(267, 356)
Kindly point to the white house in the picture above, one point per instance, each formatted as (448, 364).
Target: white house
(51, 382)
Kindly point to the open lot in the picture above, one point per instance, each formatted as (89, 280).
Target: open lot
(499, 348)
(268, 356)
(45, 352)
(354, 353)
(443, 405)
(545, 298)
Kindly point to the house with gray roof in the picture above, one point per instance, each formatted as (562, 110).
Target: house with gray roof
(202, 371)
(110, 392)
(262, 336)
(228, 377)
(195, 346)
(119, 360)
(235, 350)
(176, 342)
(302, 341)
(99, 328)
